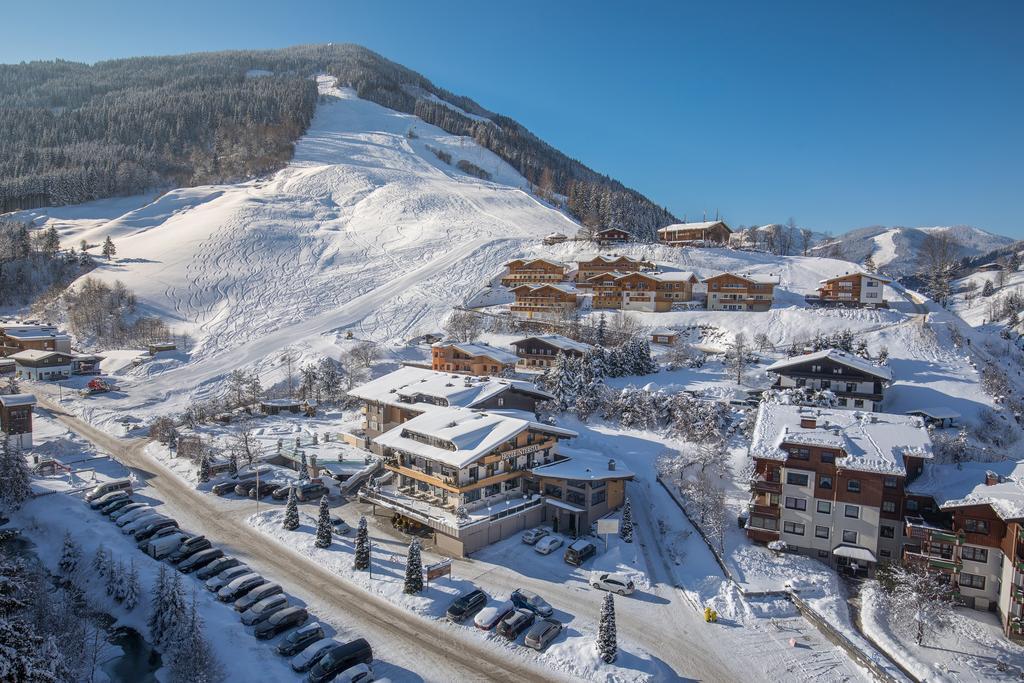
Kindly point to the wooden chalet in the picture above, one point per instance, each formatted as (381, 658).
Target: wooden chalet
(580, 489)
(16, 418)
(736, 292)
(650, 291)
(861, 290)
(42, 365)
(663, 336)
(549, 301)
(610, 236)
(588, 268)
(857, 383)
(541, 351)
(471, 358)
(24, 337)
(695, 234)
(533, 271)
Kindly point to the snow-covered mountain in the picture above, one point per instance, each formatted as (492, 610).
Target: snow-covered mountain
(894, 249)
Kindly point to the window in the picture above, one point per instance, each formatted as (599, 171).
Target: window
(890, 482)
(888, 506)
(800, 453)
(853, 486)
(797, 479)
(794, 528)
(851, 387)
(858, 403)
(821, 532)
(972, 581)
(976, 526)
(849, 536)
(852, 511)
(511, 484)
(824, 507)
(974, 554)
(598, 497)
(769, 523)
(796, 503)
(884, 553)
(552, 490)
(824, 481)
(576, 498)
(886, 531)
(828, 457)
(912, 505)
(470, 496)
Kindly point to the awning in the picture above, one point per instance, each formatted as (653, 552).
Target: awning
(854, 553)
(563, 505)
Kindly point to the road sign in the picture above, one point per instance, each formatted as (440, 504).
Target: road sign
(439, 569)
(607, 526)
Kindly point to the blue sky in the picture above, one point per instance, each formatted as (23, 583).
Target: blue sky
(840, 115)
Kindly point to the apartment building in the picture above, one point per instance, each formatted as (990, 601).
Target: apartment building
(830, 483)
(693, 234)
(740, 292)
(541, 351)
(587, 268)
(647, 291)
(579, 489)
(16, 418)
(858, 290)
(550, 301)
(15, 337)
(534, 272)
(857, 383)
(470, 358)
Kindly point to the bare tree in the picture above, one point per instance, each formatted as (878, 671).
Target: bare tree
(245, 442)
(920, 600)
(464, 326)
(288, 359)
(363, 354)
(737, 356)
(937, 260)
(806, 241)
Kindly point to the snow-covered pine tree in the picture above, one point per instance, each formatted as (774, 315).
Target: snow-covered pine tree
(596, 358)
(626, 526)
(291, 511)
(100, 561)
(174, 611)
(303, 467)
(15, 478)
(414, 569)
(988, 289)
(204, 468)
(114, 577)
(108, 248)
(233, 463)
(323, 525)
(602, 329)
(70, 556)
(131, 587)
(607, 641)
(190, 657)
(645, 360)
(155, 620)
(362, 552)
(860, 349)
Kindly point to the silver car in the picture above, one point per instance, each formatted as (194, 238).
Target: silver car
(226, 577)
(542, 633)
(264, 608)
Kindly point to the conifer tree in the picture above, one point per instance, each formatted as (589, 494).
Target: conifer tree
(204, 468)
(233, 463)
(15, 478)
(100, 561)
(114, 577)
(291, 511)
(414, 569)
(607, 645)
(155, 620)
(602, 329)
(131, 587)
(362, 553)
(323, 525)
(304, 467)
(108, 248)
(626, 527)
(70, 556)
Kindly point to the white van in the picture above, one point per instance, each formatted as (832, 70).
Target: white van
(109, 487)
(161, 547)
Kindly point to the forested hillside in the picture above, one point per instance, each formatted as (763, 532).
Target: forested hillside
(75, 132)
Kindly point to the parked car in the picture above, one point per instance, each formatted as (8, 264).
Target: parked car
(360, 673)
(264, 608)
(159, 548)
(223, 488)
(340, 526)
(242, 488)
(467, 605)
(257, 594)
(127, 509)
(132, 515)
(529, 600)
(150, 529)
(290, 617)
(217, 582)
(108, 498)
(548, 544)
(264, 488)
(217, 566)
(579, 552)
(189, 548)
(515, 623)
(533, 535)
(612, 581)
(297, 640)
(240, 586)
(281, 492)
(311, 491)
(167, 531)
(341, 658)
(489, 616)
(542, 633)
(107, 487)
(199, 560)
(118, 504)
(141, 522)
(307, 659)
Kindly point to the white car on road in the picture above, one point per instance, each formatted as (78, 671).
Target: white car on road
(612, 582)
(548, 544)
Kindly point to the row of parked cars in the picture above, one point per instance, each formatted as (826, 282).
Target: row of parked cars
(259, 483)
(261, 604)
(524, 612)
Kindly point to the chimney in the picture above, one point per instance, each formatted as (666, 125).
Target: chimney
(611, 465)
(808, 422)
(991, 478)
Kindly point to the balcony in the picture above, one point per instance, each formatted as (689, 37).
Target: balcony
(763, 485)
(765, 510)
(762, 535)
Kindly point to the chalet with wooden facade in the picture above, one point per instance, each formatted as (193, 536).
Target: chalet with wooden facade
(695, 234)
(534, 272)
(649, 291)
(15, 337)
(550, 301)
(857, 383)
(471, 358)
(740, 292)
(832, 483)
(399, 396)
(855, 290)
(610, 236)
(541, 351)
(579, 489)
(588, 268)
(664, 336)
(16, 418)
(42, 365)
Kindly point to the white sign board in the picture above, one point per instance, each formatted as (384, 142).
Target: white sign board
(607, 526)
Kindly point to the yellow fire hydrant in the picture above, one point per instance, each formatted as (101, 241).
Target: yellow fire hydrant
(710, 615)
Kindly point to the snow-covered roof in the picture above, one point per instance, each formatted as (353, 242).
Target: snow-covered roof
(702, 225)
(36, 335)
(756, 278)
(468, 434)
(675, 276)
(664, 332)
(953, 486)
(480, 349)
(12, 400)
(559, 342)
(561, 286)
(872, 442)
(601, 232)
(527, 262)
(617, 258)
(854, 552)
(936, 413)
(583, 464)
(873, 276)
(37, 355)
(835, 355)
(406, 383)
